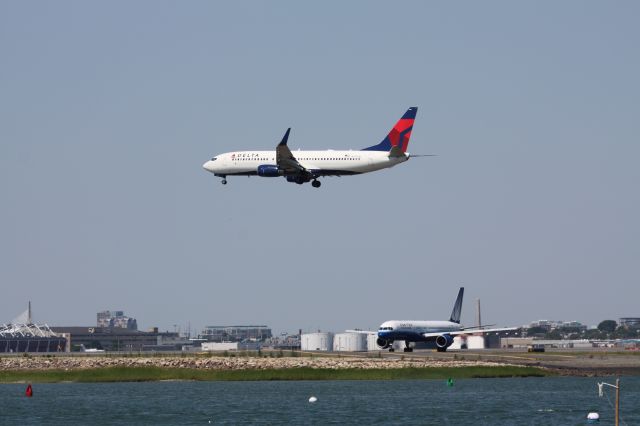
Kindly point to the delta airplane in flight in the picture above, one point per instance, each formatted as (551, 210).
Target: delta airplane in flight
(440, 332)
(307, 166)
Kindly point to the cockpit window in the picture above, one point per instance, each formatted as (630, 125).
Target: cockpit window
(214, 159)
(386, 328)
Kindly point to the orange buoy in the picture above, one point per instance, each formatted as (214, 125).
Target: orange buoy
(29, 391)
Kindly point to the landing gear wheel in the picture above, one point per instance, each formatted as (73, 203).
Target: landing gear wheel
(442, 349)
(316, 183)
(391, 350)
(224, 181)
(408, 349)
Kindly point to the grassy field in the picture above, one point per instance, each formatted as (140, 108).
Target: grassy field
(144, 374)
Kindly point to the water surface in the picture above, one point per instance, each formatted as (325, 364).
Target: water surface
(517, 401)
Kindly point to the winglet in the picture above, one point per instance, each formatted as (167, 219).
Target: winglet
(457, 307)
(285, 138)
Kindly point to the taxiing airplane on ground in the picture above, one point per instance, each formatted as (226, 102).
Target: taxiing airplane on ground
(91, 350)
(440, 332)
(307, 166)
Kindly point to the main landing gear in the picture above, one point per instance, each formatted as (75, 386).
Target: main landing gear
(316, 183)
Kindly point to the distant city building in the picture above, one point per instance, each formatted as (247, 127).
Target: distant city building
(528, 342)
(550, 325)
(236, 333)
(630, 322)
(116, 319)
(286, 341)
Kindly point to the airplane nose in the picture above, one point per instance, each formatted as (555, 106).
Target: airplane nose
(208, 166)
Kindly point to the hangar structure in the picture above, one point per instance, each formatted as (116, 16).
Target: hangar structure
(22, 335)
(30, 338)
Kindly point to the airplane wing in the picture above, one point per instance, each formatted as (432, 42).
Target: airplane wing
(285, 159)
(362, 332)
(468, 331)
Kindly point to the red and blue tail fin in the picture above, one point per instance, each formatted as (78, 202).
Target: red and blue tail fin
(399, 135)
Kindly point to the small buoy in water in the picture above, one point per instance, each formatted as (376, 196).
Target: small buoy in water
(313, 399)
(29, 391)
(450, 381)
(593, 418)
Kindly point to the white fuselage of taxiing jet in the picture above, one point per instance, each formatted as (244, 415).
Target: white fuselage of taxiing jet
(330, 161)
(414, 331)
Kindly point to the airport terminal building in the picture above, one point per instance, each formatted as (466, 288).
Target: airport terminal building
(109, 338)
(236, 333)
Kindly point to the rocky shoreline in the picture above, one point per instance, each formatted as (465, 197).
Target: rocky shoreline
(565, 364)
(231, 363)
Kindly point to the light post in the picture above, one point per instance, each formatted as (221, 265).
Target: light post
(617, 388)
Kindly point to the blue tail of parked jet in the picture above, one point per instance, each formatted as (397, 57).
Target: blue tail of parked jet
(399, 134)
(457, 307)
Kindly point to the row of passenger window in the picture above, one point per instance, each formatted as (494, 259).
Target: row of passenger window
(312, 159)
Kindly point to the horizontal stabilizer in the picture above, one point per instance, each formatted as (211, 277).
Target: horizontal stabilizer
(396, 151)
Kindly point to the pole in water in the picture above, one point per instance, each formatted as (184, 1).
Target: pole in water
(450, 381)
(29, 392)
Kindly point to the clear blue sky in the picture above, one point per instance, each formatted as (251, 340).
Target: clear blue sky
(109, 109)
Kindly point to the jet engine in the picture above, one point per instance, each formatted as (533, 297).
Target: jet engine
(443, 341)
(383, 343)
(268, 170)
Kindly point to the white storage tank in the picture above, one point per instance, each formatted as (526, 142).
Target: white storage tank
(320, 341)
(468, 342)
(399, 345)
(350, 342)
(371, 342)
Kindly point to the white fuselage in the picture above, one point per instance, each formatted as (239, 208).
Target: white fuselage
(328, 162)
(414, 330)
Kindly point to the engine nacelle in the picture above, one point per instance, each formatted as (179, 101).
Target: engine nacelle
(269, 170)
(443, 341)
(383, 343)
(297, 179)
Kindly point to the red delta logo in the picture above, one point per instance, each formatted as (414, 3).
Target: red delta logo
(400, 134)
